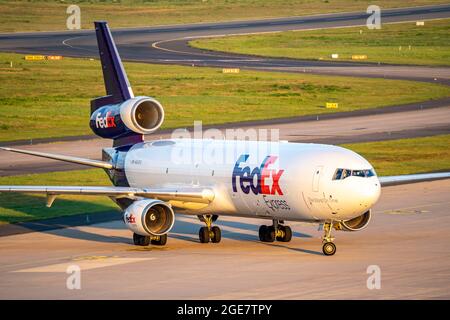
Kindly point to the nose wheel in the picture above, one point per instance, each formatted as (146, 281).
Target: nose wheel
(328, 248)
(209, 233)
(274, 232)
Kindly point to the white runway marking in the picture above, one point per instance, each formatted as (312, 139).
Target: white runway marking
(201, 60)
(85, 263)
(64, 42)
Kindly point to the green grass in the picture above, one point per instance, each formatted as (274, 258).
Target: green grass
(16, 207)
(393, 157)
(41, 99)
(41, 15)
(403, 43)
(406, 156)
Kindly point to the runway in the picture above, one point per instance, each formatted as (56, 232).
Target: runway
(407, 239)
(168, 44)
(360, 126)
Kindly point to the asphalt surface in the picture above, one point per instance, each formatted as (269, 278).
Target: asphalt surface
(168, 44)
(407, 239)
(410, 222)
(361, 126)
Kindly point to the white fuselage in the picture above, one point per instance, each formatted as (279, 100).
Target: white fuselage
(276, 180)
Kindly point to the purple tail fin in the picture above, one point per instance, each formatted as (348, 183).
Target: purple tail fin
(117, 86)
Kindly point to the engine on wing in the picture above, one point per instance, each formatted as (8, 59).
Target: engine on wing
(142, 115)
(355, 224)
(149, 217)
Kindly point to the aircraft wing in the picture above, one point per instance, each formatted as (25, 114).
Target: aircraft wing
(411, 178)
(178, 195)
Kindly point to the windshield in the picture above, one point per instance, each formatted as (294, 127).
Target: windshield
(341, 174)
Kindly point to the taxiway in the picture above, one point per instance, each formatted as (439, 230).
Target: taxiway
(407, 239)
(169, 44)
(388, 123)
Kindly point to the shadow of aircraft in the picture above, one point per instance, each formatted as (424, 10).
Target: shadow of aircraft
(60, 226)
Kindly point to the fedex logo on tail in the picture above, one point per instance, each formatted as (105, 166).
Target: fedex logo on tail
(259, 180)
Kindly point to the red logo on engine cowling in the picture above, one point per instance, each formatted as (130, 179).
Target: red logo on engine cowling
(105, 122)
(130, 218)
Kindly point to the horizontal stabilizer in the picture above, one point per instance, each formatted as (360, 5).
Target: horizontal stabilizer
(86, 162)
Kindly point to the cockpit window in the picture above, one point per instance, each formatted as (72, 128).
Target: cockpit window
(346, 173)
(338, 174)
(369, 173)
(341, 174)
(358, 173)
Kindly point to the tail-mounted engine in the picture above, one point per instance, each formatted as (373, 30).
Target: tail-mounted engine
(149, 217)
(140, 115)
(119, 115)
(355, 224)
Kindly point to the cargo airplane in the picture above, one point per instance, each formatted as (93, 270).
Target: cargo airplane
(324, 184)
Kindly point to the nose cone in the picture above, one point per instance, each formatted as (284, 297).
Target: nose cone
(360, 195)
(369, 192)
(354, 196)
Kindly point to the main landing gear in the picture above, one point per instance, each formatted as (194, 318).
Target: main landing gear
(277, 231)
(328, 248)
(146, 240)
(209, 233)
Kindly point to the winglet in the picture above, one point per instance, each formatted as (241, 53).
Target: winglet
(118, 88)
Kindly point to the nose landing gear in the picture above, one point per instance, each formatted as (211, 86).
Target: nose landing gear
(209, 233)
(328, 248)
(274, 232)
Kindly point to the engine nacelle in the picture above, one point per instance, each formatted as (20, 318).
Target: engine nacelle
(149, 217)
(142, 115)
(355, 224)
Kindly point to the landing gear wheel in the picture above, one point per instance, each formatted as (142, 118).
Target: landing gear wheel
(209, 233)
(329, 248)
(267, 233)
(141, 240)
(161, 241)
(286, 234)
(262, 233)
(216, 234)
(203, 235)
(270, 234)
